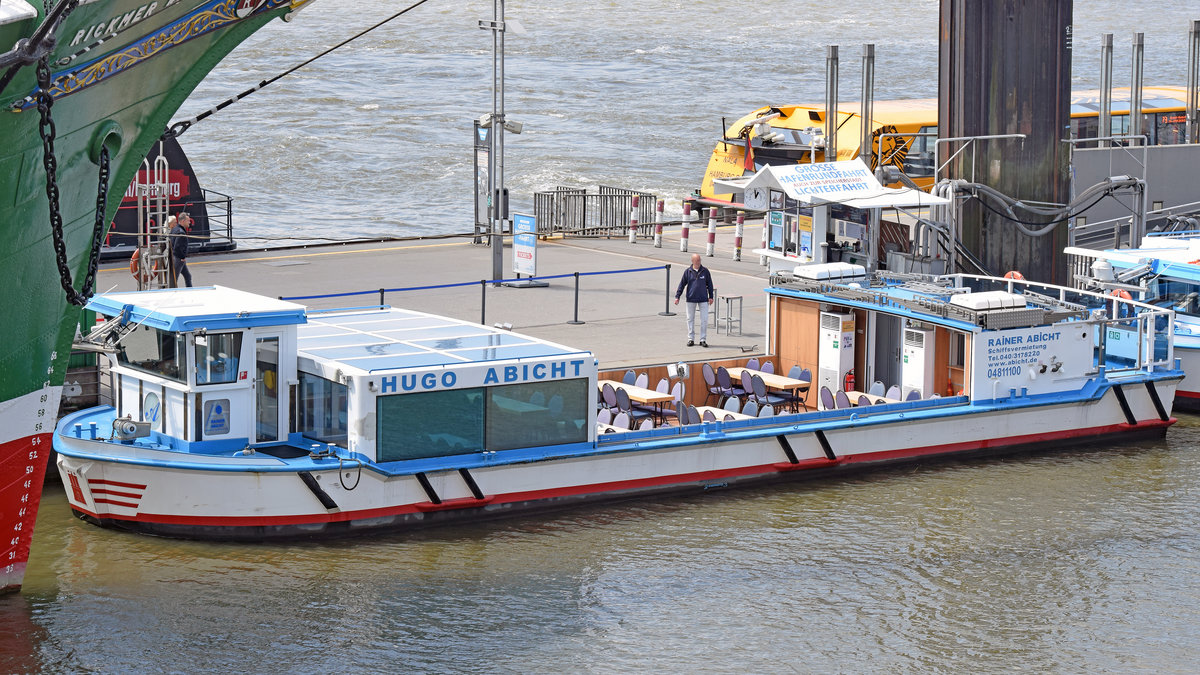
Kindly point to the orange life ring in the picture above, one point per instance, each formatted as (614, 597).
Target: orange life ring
(134, 265)
(1013, 274)
(1118, 293)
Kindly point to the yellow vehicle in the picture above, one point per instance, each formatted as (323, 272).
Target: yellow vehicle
(784, 134)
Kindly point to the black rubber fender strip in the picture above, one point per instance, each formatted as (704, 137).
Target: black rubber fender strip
(1124, 405)
(319, 492)
(825, 445)
(1158, 406)
(471, 484)
(787, 449)
(428, 488)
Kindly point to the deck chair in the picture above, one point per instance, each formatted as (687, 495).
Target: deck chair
(761, 397)
(663, 386)
(693, 415)
(646, 424)
(626, 406)
(893, 392)
(914, 395)
(604, 417)
(731, 404)
(752, 364)
(710, 379)
(709, 416)
(863, 400)
(725, 382)
(768, 367)
(826, 399)
(630, 377)
(751, 409)
(841, 400)
(877, 388)
(766, 411)
(642, 380)
(621, 421)
(609, 395)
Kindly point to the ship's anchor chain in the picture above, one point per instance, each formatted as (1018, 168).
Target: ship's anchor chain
(46, 129)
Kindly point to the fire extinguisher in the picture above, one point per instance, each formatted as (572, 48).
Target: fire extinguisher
(848, 382)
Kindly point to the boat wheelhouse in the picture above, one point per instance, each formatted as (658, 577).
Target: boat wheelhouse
(245, 418)
(1163, 271)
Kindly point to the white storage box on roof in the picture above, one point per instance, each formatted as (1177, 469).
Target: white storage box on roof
(834, 271)
(988, 300)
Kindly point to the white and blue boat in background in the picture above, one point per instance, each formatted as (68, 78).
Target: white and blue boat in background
(240, 417)
(1163, 271)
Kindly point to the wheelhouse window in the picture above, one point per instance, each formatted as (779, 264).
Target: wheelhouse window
(154, 351)
(1181, 296)
(324, 405)
(217, 357)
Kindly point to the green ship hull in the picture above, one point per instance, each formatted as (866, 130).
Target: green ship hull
(119, 71)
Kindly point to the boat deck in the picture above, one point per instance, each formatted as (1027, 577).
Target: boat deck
(621, 311)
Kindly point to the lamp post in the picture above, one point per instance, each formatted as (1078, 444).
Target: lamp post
(497, 124)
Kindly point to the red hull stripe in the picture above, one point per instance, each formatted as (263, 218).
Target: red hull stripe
(101, 481)
(114, 493)
(641, 483)
(115, 503)
(1187, 394)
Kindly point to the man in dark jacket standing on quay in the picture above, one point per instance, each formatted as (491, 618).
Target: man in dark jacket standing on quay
(698, 282)
(179, 248)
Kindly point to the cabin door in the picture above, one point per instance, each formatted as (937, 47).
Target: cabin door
(266, 389)
(887, 351)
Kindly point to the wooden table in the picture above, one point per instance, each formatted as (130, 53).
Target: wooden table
(777, 382)
(853, 396)
(721, 413)
(642, 395)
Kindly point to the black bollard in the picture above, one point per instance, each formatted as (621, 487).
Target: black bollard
(576, 321)
(667, 311)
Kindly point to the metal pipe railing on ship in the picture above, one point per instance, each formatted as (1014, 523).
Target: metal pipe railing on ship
(484, 283)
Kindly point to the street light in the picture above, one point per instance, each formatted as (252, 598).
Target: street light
(498, 124)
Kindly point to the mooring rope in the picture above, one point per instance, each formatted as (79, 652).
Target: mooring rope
(178, 128)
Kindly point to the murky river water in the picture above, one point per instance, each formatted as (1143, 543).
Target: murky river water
(1081, 562)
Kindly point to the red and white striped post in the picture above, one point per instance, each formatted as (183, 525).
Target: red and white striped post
(762, 259)
(711, 249)
(738, 229)
(633, 221)
(687, 222)
(658, 223)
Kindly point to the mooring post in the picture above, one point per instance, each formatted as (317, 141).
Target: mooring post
(738, 229)
(658, 223)
(687, 223)
(576, 321)
(667, 311)
(711, 248)
(483, 301)
(633, 220)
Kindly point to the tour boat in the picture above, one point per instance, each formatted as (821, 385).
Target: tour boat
(244, 418)
(1163, 271)
(88, 88)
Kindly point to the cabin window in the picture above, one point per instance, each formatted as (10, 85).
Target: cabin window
(217, 357)
(324, 406)
(154, 351)
(918, 163)
(464, 421)
(429, 424)
(537, 413)
(1181, 296)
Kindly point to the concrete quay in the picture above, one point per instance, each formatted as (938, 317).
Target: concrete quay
(621, 311)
